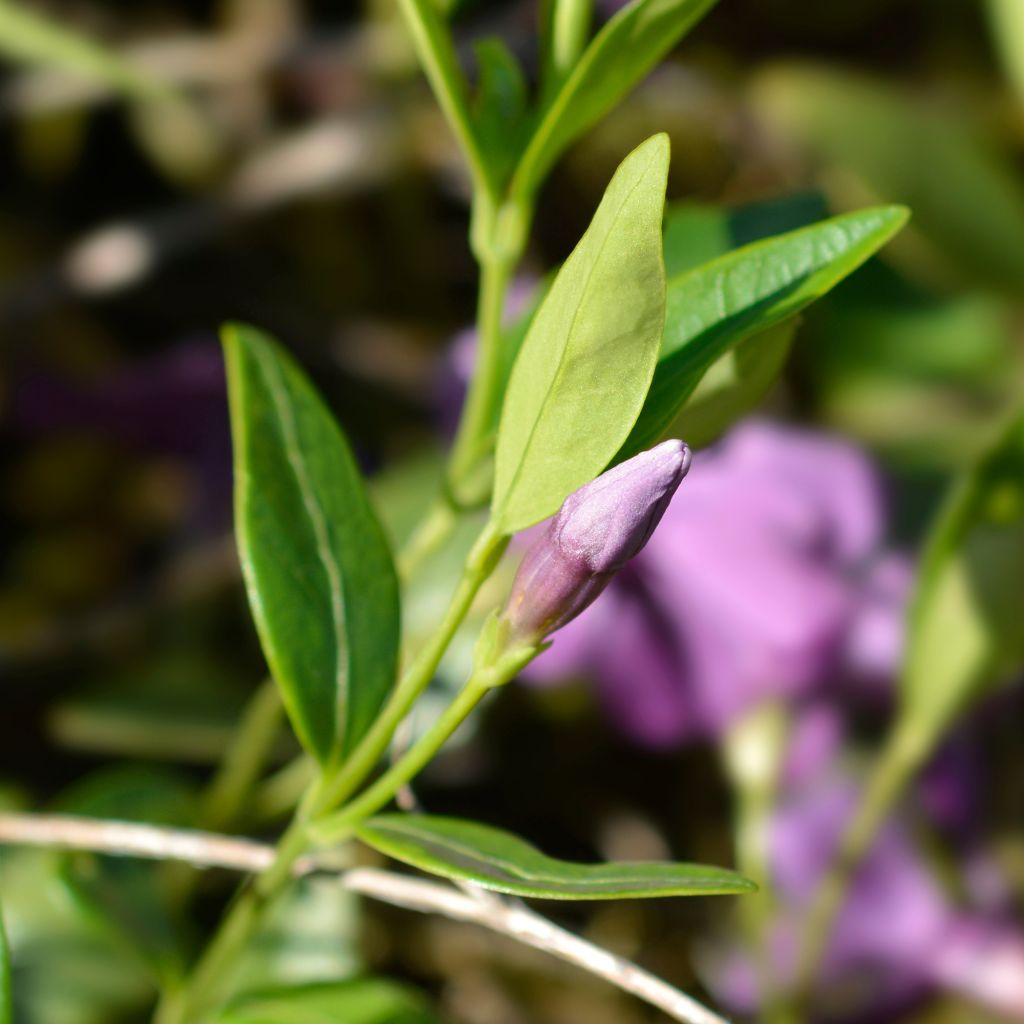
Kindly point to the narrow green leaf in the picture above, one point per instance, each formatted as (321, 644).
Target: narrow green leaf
(440, 63)
(618, 57)
(6, 997)
(317, 567)
(734, 385)
(468, 851)
(965, 622)
(362, 1001)
(745, 292)
(583, 370)
(29, 37)
(499, 113)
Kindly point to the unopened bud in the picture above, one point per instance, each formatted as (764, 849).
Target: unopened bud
(598, 529)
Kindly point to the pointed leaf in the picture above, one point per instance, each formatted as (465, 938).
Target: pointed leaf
(317, 568)
(744, 292)
(363, 1001)
(498, 860)
(583, 370)
(499, 114)
(965, 623)
(618, 57)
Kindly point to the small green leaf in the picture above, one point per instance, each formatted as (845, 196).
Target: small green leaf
(745, 292)
(495, 859)
(583, 370)
(317, 567)
(619, 56)
(965, 623)
(734, 385)
(29, 37)
(6, 998)
(499, 114)
(362, 1001)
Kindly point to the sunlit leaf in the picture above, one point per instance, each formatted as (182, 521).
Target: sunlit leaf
(498, 860)
(965, 624)
(618, 57)
(745, 292)
(363, 1001)
(583, 370)
(317, 567)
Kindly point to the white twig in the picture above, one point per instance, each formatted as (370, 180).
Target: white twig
(532, 930)
(206, 850)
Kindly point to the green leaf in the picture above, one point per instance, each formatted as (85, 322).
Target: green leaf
(363, 1001)
(965, 622)
(734, 385)
(499, 114)
(436, 52)
(495, 859)
(29, 37)
(6, 998)
(317, 567)
(745, 292)
(583, 370)
(618, 57)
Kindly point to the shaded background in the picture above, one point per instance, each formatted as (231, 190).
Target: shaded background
(313, 189)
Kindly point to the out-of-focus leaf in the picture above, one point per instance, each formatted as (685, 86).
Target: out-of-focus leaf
(745, 292)
(6, 1000)
(582, 372)
(126, 894)
(1007, 17)
(440, 62)
(498, 860)
(319, 574)
(363, 1001)
(499, 114)
(30, 37)
(618, 57)
(967, 201)
(966, 619)
(310, 936)
(735, 385)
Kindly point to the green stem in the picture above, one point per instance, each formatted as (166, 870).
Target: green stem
(213, 973)
(333, 791)
(569, 30)
(485, 387)
(905, 752)
(341, 825)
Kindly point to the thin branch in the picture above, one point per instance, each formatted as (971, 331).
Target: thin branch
(207, 850)
(531, 930)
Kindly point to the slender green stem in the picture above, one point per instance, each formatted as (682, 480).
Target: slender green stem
(331, 792)
(905, 752)
(486, 384)
(340, 826)
(569, 30)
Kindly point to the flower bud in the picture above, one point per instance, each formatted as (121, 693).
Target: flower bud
(598, 529)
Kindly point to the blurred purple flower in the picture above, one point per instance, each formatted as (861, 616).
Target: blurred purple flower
(766, 581)
(899, 933)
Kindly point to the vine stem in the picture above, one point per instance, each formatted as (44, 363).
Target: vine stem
(204, 849)
(903, 755)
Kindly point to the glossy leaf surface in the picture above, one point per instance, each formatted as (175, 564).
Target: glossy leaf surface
(618, 57)
(966, 620)
(586, 363)
(498, 860)
(710, 308)
(363, 1001)
(317, 567)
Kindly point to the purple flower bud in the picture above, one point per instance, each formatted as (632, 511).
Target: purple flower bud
(597, 530)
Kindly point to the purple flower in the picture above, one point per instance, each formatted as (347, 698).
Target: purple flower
(598, 529)
(762, 583)
(899, 933)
